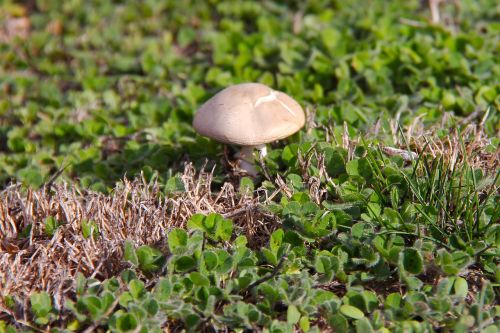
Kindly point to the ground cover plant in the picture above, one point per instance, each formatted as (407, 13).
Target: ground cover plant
(380, 215)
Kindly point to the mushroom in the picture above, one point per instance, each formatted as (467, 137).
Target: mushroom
(249, 115)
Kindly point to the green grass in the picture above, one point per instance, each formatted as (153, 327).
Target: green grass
(358, 236)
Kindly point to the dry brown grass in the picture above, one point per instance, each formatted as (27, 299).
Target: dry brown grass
(136, 211)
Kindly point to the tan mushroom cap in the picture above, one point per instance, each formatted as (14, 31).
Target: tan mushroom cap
(249, 114)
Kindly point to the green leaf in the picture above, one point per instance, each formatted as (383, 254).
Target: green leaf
(339, 323)
(150, 259)
(42, 320)
(185, 263)
(41, 303)
(128, 275)
(80, 283)
(461, 287)
(491, 329)
(9, 302)
(136, 288)
(289, 154)
(334, 162)
(304, 324)
(209, 223)
(214, 225)
(126, 322)
(202, 294)
(358, 229)
(461, 259)
(73, 325)
(90, 228)
(240, 241)
(174, 184)
(413, 282)
(393, 301)
(163, 290)
(351, 311)
(224, 229)
(225, 261)
(125, 299)
(199, 279)
(196, 222)
(151, 306)
(246, 186)
(293, 314)
(51, 225)
(276, 240)
(448, 100)
(270, 257)
(210, 259)
(412, 261)
(363, 326)
(295, 181)
(31, 176)
(129, 253)
(93, 305)
(177, 238)
(352, 168)
(192, 320)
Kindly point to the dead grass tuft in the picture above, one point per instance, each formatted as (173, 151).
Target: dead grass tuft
(136, 211)
(458, 147)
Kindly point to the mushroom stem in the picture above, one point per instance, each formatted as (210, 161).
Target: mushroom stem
(246, 159)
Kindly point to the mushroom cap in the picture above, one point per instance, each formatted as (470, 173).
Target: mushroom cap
(249, 114)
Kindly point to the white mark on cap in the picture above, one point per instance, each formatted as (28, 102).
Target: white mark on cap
(269, 98)
(273, 96)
